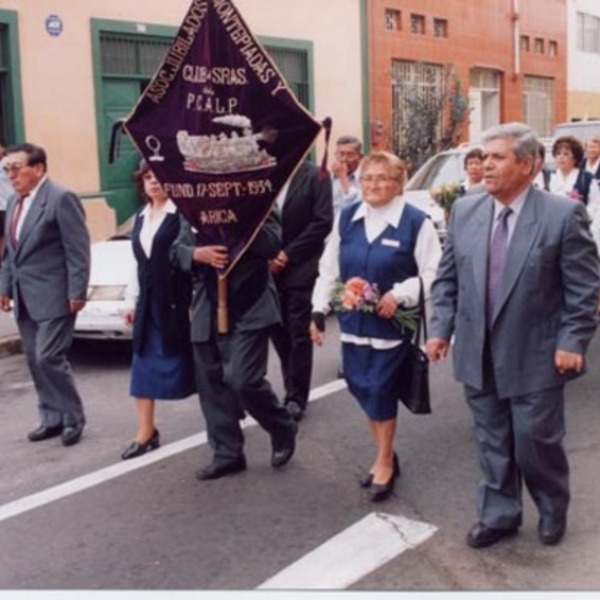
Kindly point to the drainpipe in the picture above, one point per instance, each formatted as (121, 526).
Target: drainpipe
(517, 38)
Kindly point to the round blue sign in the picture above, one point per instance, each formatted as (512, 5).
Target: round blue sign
(54, 25)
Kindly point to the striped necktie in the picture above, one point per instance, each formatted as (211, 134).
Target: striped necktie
(497, 259)
(15, 220)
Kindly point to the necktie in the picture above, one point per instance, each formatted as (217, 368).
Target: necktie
(497, 259)
(15, 220)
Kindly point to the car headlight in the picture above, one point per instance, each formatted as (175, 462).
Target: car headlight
(106, 292)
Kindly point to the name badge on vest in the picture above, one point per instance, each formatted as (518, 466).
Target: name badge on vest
(391, 243)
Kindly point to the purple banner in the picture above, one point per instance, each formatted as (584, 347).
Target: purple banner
(220, 128)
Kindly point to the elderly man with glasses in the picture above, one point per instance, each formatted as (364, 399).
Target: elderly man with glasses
(44, 280)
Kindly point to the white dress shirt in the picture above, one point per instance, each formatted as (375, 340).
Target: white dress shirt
(150, 225)
(563, 186)
(27, 202)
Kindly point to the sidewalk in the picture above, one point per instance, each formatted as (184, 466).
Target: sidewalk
(10, 342)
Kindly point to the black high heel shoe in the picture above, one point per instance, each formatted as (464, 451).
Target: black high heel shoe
(382, 491)
(366, 480)
(136, 449)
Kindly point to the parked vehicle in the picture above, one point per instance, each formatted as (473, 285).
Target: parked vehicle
(445, 167)
(582, 130)
(112, 265)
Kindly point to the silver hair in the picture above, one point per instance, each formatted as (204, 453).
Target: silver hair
(525, 140)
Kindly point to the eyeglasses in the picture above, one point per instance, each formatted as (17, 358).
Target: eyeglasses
(376, 179)
(13, 167)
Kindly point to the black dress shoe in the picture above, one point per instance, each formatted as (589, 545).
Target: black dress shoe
(71, 434)
(294, 410)
(551, 531)
(220, 469)
(366, 480)
(136, 449)
(481, 536)
(44, 432)
(284, 449)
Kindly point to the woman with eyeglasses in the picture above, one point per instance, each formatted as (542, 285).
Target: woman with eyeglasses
(379, 250)
(162, 365)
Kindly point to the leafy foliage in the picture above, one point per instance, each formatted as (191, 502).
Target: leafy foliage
(433, 114)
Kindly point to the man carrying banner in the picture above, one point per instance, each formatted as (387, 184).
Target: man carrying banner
(231, 368)
(224, 133)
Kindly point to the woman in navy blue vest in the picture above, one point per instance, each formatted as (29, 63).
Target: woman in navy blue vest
(389, 244)
(162, 364)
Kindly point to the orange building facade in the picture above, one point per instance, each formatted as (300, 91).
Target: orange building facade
(509, 55)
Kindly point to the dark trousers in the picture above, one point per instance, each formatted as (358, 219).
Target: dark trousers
(46, 344)
(231, 378)
(293, 345)
(519, 439)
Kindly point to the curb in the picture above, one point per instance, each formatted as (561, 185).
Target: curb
(10, 345)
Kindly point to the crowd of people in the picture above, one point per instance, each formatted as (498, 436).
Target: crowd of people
(514, 291)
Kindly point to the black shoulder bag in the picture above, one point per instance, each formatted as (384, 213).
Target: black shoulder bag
(413, 378)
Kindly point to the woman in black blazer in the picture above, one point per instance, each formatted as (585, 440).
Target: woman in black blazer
(162, 364)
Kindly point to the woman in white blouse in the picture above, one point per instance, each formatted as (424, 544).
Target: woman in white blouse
(568, 179)
(160, 297)
(389, 244)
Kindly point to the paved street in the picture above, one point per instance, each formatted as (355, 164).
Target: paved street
(79, 518)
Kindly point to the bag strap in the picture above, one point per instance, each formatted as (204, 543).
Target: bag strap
(422, 316)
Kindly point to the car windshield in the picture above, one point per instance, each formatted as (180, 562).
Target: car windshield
(442, 168)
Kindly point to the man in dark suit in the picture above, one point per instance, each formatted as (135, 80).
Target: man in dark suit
(306, 218)
(45, 277)
(518, 287)
(231, 368)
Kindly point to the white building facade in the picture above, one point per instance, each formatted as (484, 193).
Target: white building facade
(583, 59)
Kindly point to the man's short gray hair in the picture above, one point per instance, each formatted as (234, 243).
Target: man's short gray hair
(526, 142)
(350, 139)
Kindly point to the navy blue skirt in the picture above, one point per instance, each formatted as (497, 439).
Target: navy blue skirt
(372, 378)
(157, 375)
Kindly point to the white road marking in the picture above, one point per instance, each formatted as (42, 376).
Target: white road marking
(352, 554)
(68, 488)
(19, 386)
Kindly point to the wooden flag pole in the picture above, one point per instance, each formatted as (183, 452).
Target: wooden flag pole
(222, 316)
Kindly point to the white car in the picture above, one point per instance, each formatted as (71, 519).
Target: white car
(444, 167)
(112, 265)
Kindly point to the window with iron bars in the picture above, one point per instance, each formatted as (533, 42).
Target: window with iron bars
(410, 79)
(140, 57)
(538, 104)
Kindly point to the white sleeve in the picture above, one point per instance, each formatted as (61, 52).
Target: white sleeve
(329, 271)
(428, 252)
(593, 199)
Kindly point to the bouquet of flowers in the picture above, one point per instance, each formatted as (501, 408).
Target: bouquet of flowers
(358, 294)
(446, 194)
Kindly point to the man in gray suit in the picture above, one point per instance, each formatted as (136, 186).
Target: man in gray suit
(518, 286)
(231, 368)
(45, 277)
